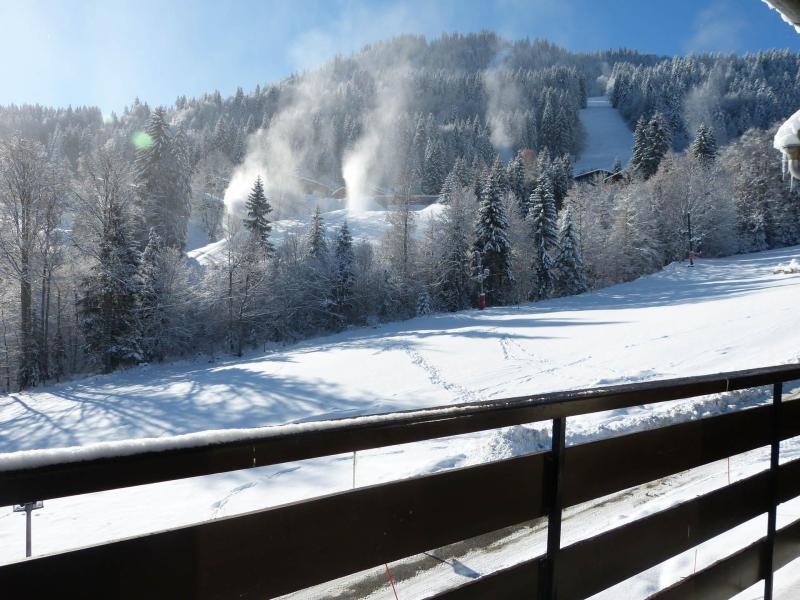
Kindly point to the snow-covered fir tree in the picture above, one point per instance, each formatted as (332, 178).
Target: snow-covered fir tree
(453, 283)
(641, 148)
(542, 212)
(704, 146)
(424, 303)
(433, 168)
(568, 265)
(108, 306)
(163, 181)
(652, 139)
(516, 181)
(344, 275)
(660, 139)
(491, 238)
(542, 220)
(149, 300)
(317, 241)
(560, 175)
(549, 134)
(257, 221)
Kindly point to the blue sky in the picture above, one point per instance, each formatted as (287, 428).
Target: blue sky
(105, 53)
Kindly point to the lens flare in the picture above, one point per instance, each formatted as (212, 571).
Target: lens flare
(142, 140)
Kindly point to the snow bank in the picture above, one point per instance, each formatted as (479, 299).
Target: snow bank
(790, 268)
(29, 459)
(527, 439)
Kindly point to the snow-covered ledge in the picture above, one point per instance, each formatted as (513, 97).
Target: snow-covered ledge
(787, 141)
(789, 9)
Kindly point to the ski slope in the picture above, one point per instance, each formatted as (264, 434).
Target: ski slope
(367, 225)
(724, 314)
(607, 136)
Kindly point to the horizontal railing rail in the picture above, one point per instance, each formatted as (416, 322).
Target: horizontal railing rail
(281, 549)
(279, 444)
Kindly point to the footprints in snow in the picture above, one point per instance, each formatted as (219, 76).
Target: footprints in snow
(512, 351)
(435, 377)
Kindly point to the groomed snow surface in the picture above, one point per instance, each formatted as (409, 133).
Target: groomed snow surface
(607, 136)
(724, 314)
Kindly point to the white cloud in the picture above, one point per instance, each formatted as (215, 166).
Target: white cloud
(718, 28)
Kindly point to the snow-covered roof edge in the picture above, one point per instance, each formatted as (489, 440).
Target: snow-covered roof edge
(776, 6)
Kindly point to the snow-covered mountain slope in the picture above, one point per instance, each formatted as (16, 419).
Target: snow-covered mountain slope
(607, 136)
(724, 314)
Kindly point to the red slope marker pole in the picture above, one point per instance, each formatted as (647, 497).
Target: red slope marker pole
(391, 580)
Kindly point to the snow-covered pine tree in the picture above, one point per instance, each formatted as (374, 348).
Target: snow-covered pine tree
(478, 176)
(491, 238)
(660, 140)
(149, 301)
(460, 172)
(162, 179)
(317, 242)
(419, 145)
(704, 146)
(568, 266)
(542, 211)
(448, 188)
(549, 136)
(641, 147)
(256, 222)
(433, 169)
(452, 289)
(516, 181)
(560, 174)
(344, 273)
(108, 306)
(566, 139)
(424, 303)
(542, 219)
(651, 141)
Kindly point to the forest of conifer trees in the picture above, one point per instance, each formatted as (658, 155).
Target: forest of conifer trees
(95, 209)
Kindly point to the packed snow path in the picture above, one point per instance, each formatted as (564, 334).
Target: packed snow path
(607, 136)
(724, 314)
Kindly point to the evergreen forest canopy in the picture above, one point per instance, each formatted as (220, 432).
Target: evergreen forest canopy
(95, 210)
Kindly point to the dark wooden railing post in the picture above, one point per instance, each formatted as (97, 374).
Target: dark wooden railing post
(774, 465)
(548, 589)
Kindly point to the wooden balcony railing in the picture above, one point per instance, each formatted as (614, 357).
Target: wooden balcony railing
(274, 551)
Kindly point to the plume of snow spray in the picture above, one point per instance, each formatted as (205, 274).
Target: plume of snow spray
(367, 166)
(503, 103)
(280, 152)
